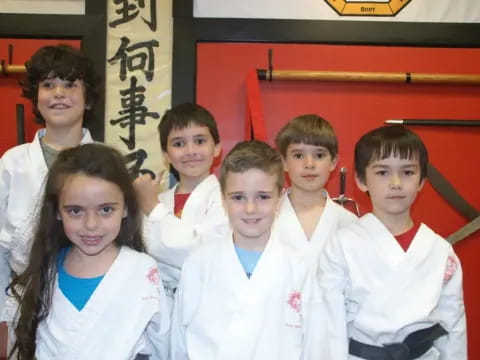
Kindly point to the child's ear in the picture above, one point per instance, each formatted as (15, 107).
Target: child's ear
(360, 184)
(59, 217)
(420, 186)
(284, 162)
(334, 163)
(217, 150)
(125, 213)
(165, 155)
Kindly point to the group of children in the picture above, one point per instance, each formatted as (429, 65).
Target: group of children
(97, 266)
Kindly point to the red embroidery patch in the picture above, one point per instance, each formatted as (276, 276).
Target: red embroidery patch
(153, 276)
(295, 301)
(450, 269)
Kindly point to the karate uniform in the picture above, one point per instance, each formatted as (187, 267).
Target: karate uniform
(170, 239)
(220, 313)
(23, 173)
(376, 293)
(291, 232)
(126, 315)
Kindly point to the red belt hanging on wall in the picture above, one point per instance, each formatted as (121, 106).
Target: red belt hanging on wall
(254, 120)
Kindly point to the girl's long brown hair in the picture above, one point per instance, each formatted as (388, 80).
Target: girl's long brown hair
(33, 289)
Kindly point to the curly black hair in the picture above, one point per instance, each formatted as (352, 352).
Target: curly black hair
(67, 63)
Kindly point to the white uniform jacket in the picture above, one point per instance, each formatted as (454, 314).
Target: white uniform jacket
(383, 293)
(290, 230)
(170, 239)
(221, 314)
(125, 316)
(23, 174)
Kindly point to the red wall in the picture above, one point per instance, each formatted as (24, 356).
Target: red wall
(355, 108)
(10, 91)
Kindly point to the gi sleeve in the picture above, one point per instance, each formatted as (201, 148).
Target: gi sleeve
(186, 301)
(169, 239)
(4, 233)
(333, 279)
(314, 319)
(452, 311)
(158, 330)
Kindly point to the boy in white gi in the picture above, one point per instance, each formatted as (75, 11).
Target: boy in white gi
(308, 217)
(393, 287)
(191, 212)
(62, 85)
(246, 296)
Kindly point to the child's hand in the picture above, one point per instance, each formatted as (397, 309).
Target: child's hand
(147, 191)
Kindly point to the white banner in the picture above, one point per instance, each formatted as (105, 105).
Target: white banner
(64, 7)
(138, 79)
(380, 10)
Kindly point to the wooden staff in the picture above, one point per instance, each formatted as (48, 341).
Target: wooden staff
(434, 122)
(381, 77)
(11, 69)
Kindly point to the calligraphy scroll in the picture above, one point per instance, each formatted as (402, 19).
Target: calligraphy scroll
(138, 80)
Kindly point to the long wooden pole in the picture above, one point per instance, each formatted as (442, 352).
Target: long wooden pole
(380, 77)
(12, 69)
(434, 122)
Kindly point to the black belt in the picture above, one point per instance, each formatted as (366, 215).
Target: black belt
(415, 345)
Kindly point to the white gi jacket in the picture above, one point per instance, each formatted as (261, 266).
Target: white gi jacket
(290, 230)
(170, 239)
(23, 174)
(221, 314)
(126, 315)
(384, 294)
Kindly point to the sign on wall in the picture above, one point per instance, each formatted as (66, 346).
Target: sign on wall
(138, 79)
(382, 10)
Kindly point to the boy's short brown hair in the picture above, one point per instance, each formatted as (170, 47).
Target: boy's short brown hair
(308, 129)
(252, 154)
(182, 116)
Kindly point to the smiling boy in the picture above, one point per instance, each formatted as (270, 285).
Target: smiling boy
(61, 84)
(191, 212)
(393, 287)
(308, 217)
(246, 296)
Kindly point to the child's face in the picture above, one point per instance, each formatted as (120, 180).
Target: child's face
(251, 200)
(61, 102)
(308, 166)
(91, 210)
(393, 184)
(191, 151)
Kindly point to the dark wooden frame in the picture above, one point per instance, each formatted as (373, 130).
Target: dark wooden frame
(188, 31)
(89, 28)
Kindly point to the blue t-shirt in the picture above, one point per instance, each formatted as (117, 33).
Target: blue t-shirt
(76, 290)
(248, 259)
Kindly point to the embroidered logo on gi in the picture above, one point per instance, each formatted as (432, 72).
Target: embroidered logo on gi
(153, 276)
(295, 301)
(450, 269)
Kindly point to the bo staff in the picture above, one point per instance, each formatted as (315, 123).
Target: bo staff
(380, 77)
(11, 69)
(438, 122)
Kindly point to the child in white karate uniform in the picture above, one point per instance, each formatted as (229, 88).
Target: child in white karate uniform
(308, 217)
(246, 296)
(191, 212)
(62, 85)
(392, 287)
(89, 291)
